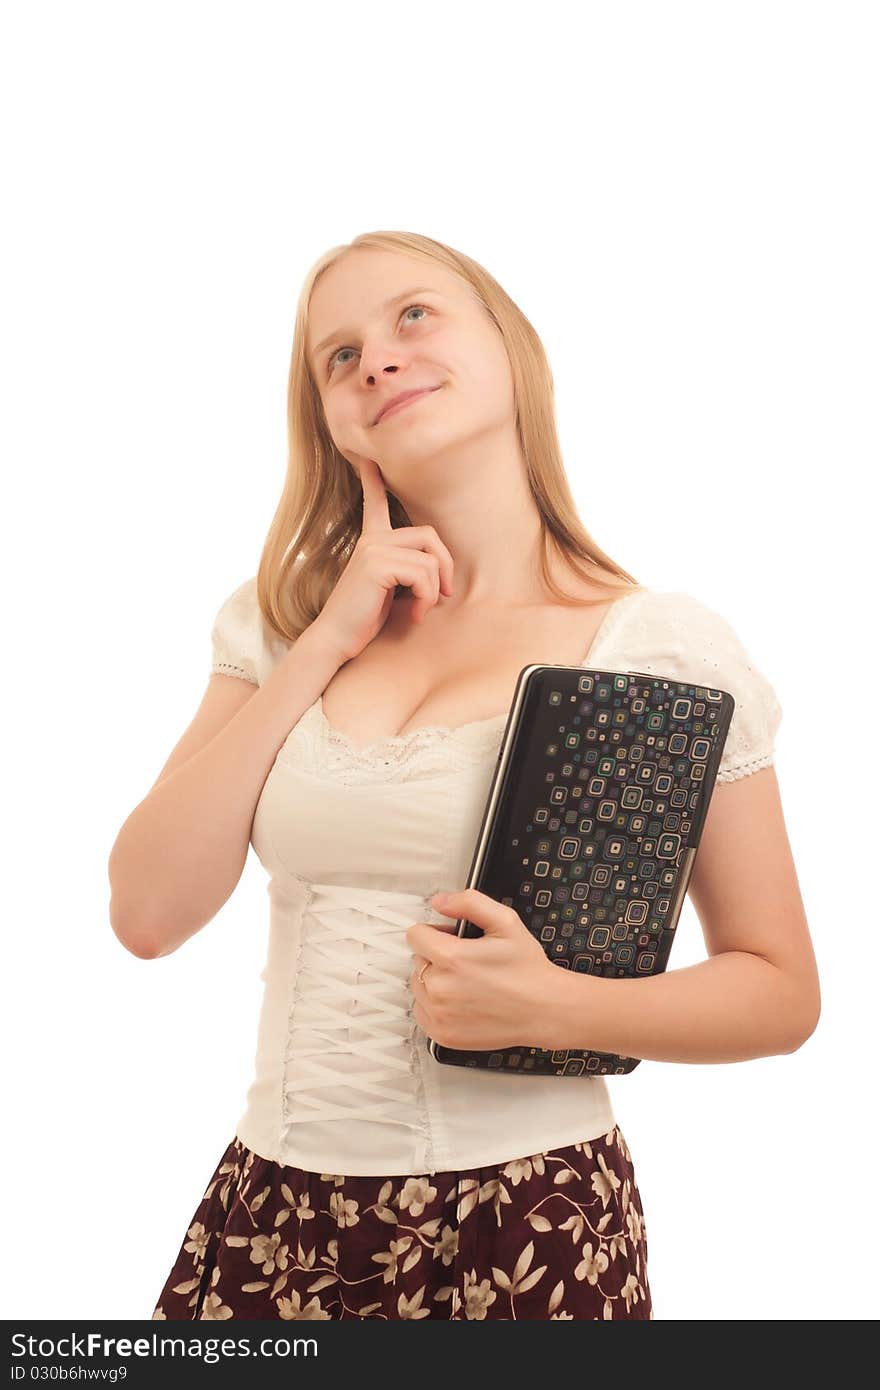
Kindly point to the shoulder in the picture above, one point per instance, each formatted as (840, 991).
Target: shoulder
(675, 633)
(671, 609)
(242, 600)
(681, 627)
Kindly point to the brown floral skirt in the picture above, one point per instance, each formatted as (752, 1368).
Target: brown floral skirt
(559, 1234)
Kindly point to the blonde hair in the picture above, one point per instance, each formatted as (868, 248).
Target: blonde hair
(318, 518)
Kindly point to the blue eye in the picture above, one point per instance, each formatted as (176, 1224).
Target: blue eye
(335, 355)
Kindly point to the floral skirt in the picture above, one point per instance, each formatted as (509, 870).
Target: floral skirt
(559, 1234)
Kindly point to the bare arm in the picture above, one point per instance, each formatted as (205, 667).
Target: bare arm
(180, 853)
(731, 1008)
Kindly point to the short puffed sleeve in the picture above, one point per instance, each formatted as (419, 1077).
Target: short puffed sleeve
(678, 635)
(243, 642)
(236, 636)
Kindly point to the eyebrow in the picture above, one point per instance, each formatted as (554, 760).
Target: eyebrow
(389, 304)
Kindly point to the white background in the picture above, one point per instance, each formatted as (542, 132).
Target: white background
(683, 199)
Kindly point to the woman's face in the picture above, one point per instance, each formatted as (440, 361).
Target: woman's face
(396, 323)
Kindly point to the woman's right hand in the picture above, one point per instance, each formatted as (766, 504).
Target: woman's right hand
(383, 557)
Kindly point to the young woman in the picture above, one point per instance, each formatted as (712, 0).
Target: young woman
(359, 690)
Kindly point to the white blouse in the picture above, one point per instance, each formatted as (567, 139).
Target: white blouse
(355, 840)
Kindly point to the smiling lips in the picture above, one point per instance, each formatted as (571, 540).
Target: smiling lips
(397, 402)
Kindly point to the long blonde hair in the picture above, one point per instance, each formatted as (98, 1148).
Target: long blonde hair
(318, 518)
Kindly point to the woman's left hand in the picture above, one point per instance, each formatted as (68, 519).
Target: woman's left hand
(479, 992)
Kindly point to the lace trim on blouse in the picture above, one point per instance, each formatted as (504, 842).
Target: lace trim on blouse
(434, 750)
(317, 748)
(228, 668)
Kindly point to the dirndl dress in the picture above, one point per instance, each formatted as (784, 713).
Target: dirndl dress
(554, 1235)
